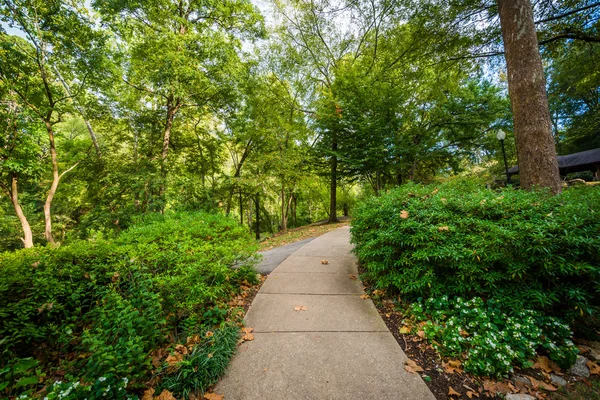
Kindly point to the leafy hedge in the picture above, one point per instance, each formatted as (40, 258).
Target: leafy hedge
(460, 239)
(94, 311)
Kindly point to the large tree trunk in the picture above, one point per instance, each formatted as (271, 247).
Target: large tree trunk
(536, 152)
(53, 186)
(333, 184)
(14, 198)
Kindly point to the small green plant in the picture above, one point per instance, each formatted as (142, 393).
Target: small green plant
(491, 338)
(203, 366)
(20, 375)
(104, 387)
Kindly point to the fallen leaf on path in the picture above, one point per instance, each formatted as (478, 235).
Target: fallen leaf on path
(353, 277)
(300, 308)
(214, 396)
(165, 395)
(404, 214)
(412, 367)
(594, 368)
(452, 392)
(324, 262)
(248, 336)
(364, 296)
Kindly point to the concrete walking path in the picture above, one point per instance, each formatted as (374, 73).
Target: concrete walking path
(339, 348)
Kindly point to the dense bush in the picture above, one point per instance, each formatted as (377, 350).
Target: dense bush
(492, 339)
(460, 239)
(95, 310)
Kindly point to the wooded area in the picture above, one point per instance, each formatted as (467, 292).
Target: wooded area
(115, 109)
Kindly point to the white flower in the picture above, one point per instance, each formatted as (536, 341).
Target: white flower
(102, 379)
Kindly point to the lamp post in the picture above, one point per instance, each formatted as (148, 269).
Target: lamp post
(501, 135)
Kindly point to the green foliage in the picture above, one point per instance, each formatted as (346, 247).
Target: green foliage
(526, 248)
(113, 302)
(491, 336)
(203, 366)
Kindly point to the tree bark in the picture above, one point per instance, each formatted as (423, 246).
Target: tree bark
(538, 164)
(283, 210)
(172, 109)
(53, 186)
(333, 184)
(257, 216)
(14, 198)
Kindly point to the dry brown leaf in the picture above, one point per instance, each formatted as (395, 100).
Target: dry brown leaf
(404, 214)
(148, 394)
(181, 349)
(412, 367)
(443, 228)
(404, 330)
(378, 292)
(353, 277)
(214, 396)
(435, 191)
(364, 296)
(248, 336)
(421, 334)
(192, 340)
(496, 387)
(165, 395)
(452, 366)
(594, 368)
(471, 393)
(452, 392)
(324, 262)
(546, 365)
(541, 384)
(115, 277)
(300, 308)
(173, 359)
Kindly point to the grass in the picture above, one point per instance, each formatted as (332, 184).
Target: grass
(579, 391)
(298, 234)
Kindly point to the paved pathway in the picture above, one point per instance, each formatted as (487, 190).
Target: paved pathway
(339, 348)
(273, 257)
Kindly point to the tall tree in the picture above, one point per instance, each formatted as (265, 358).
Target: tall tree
(181, 54)
(536, 151)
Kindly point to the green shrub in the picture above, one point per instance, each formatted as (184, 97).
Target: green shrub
(96, 310)
(459, 239)
(491, 337)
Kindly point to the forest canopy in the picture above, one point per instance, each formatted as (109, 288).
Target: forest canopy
(286, 109)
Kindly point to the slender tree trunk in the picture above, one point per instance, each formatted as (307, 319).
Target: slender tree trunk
(172, 109)
(241, 209)
(333, 184)
(294, 217)
(53, 186)
(538, 164)
(413, 170)
(81, 112)
(14, 198)
(283, 210)
(257, 207)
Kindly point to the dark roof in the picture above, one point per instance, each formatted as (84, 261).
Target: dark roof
(575, 162)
